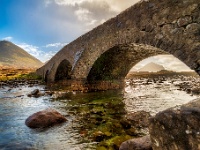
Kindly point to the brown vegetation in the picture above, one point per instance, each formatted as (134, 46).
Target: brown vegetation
(7, 73)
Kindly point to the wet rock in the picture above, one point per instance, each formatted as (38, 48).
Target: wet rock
(133, 132)
(45, 118)
(139, 119)
(35, 93)
(50, 93)
(98, 136)
(196, 91)
(143, 143)
(59, 94)
(177, 128)
(125, 124)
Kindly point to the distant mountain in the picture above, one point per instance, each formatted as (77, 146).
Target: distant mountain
(13, 56)
(151, 67)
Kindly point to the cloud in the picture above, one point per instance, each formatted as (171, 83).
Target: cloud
(9, 38)
(48, 55)
(116, 5)
(33, 50)
(36, 52)
(82, 14)
(55, 45)
(119, 5)
(69, 2)
(167, 61)
(59, 22)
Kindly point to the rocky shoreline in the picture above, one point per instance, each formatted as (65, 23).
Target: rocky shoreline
(14, 83)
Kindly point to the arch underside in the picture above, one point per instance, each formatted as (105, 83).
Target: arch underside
(115, 63)
(63, 71)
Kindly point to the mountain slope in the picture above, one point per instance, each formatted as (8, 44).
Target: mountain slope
(152, 67)
(13, 56)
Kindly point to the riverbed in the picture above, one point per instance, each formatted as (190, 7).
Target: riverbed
(16, 106)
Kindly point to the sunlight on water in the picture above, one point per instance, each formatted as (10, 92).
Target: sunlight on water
(154, 98)
(16, 106)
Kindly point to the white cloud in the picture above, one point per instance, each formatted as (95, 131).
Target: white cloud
(36, 52)
(83, 14)
(48, 55)
(55, 45)
(65, 20)
(116, 5)
(33, 50)
(86, 13)
(119, 5)
(9, 38)
(69, 2)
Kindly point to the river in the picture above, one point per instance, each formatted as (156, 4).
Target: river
(16, 106)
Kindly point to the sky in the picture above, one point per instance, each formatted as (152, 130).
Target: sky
(169, 62)
(43, 27)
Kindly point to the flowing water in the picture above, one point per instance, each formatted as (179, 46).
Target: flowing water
(16, 106)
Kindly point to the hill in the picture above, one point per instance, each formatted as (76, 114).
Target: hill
(151, 67)
(12, 56)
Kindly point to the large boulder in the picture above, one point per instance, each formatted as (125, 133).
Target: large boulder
(142, 143)
(45, 118)
(177, 128)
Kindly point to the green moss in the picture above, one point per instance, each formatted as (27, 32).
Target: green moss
(101, 148)
(100, 115)
(114, 142)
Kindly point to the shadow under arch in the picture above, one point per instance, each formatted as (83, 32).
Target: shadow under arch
(63, 71)
(115, 63)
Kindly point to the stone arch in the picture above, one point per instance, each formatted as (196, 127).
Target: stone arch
(115, 63)
(170, 25)
(63, 70)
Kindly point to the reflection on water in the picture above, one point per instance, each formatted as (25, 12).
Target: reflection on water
(15, 107)
(154, 97)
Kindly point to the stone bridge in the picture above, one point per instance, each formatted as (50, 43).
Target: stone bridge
(109, 51)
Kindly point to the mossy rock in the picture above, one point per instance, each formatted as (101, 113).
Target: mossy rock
(115, 142)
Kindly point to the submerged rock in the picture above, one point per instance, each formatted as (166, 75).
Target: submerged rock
(143, 143)
(45, 118)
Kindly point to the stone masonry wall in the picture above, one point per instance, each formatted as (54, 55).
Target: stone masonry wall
(170, 25)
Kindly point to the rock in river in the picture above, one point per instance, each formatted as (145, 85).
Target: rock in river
(35, 93)
(142, 143)
(45, 118)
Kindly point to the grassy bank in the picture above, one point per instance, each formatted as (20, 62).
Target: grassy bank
(13, 73)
